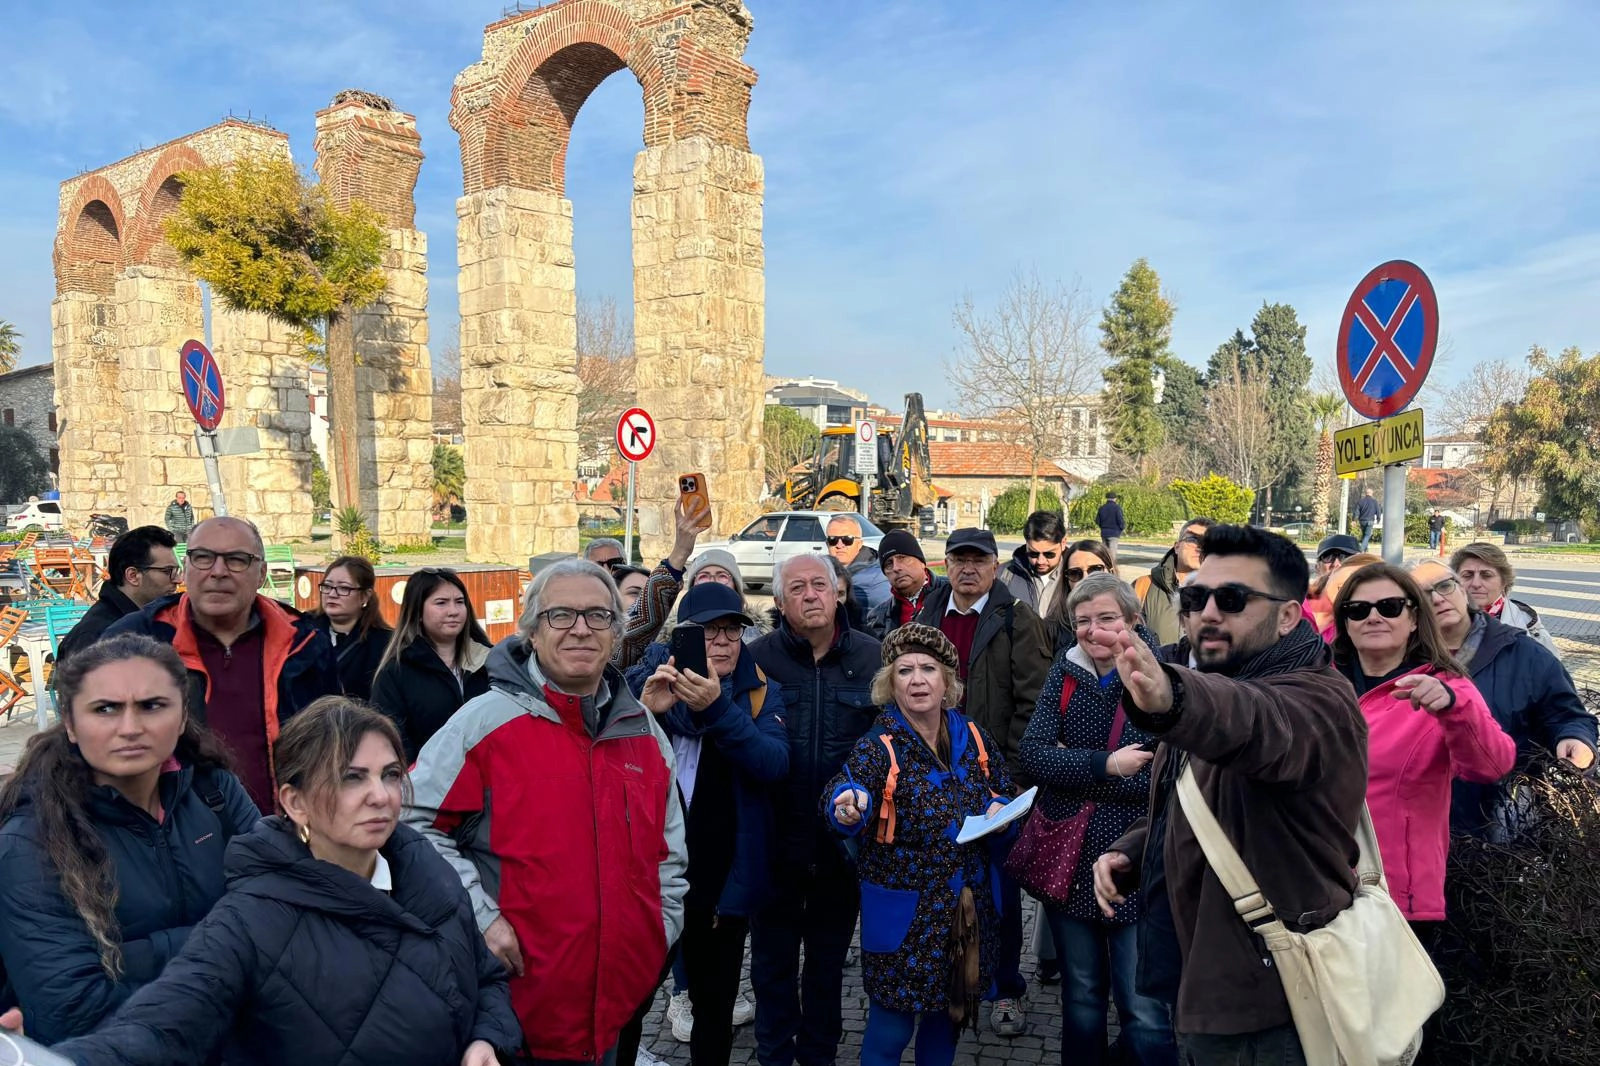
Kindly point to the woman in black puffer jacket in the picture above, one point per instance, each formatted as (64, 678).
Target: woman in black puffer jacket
(114, 829)
(343, 937)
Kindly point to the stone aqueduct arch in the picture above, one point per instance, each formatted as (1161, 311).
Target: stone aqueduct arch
(124, 305)
(699, 293)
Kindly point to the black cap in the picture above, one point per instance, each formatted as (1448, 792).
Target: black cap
(899, 542)
(1338, 542)
(709, 601)
(971, 537)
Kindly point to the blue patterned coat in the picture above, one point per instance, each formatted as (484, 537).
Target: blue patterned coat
(909, 888)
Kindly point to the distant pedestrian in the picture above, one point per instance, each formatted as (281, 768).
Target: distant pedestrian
(1436, 524)
(179, 517)
(1367, 512)
(1113, 523)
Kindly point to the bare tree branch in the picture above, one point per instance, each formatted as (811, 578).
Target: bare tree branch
(1465, 407)
(1025, 362)
(447, 386)
(605, 373)
(1239, 428)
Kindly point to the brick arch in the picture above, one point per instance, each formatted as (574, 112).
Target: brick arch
(157, 200)
(89, 250)
(521, 138)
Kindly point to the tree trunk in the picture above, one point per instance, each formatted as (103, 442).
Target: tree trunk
(1033, 482)
(1324, 481)
(344, 472)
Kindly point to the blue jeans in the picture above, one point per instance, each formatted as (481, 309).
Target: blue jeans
(1097, 959)
(889, 1031)
(1366, 535)
(1433, 538)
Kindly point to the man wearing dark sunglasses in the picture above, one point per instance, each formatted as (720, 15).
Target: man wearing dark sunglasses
(1033, 572)
(868, 586)
(1277, 745)
(1158, 590)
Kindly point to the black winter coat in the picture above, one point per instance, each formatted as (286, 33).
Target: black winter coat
(420, 693)
(112, 605)
(168, 875)
(304, 962)
(357, 656)
(829, 707)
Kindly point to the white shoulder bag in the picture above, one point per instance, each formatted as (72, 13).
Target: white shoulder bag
(1359, 988)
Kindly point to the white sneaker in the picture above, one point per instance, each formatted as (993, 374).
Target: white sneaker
(644, 1058)
(744, 1010)
(681, 1015)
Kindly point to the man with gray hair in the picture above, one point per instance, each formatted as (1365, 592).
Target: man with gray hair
(605, 551)
(253, 662)
(825, 669)
(845, 543)
(577, 874)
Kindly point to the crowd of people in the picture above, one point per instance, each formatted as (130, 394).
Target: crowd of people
(262, 836)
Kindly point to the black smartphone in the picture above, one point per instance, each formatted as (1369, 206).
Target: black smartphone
(689, 648)
(1150, 745)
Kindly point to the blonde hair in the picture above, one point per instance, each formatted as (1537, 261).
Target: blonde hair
(883, 685)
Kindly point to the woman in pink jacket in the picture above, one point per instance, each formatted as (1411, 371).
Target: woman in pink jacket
(1426, 725)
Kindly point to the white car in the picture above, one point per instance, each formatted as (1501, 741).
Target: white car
(778, 535)
(46, 514)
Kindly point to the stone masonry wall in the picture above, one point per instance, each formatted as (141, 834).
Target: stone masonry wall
(89, 415)
(519, 382)
(369, 151)
(28, 397)
(700, 298)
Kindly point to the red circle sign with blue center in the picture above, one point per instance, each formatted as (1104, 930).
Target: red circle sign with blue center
(202, 385)
(1387, 338)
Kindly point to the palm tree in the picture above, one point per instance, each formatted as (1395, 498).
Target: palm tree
(1325, 409)
(10, 347)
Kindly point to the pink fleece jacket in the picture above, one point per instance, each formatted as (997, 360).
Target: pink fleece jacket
(1412, 756)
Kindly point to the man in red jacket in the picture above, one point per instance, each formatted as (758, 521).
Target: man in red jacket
(552, 795)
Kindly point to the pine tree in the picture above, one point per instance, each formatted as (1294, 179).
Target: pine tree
(1136, 333)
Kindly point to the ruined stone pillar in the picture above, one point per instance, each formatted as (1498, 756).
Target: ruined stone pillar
(83, 329)
(519, 381)
(699, 328)
(159, 309)
(264, 375)
(369, 151)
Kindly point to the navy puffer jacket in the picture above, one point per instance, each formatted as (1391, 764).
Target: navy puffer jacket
(168, 875)
(304, 962)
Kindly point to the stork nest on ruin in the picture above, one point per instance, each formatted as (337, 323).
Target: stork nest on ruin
(364, 98)
(1520, 954)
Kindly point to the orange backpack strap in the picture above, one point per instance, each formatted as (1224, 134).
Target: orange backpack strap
(983, 756)
(886, 808)
(1141, 587)
(758, 697)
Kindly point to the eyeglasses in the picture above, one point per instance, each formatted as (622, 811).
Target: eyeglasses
(834, 542)
(1388, 607)
(1191, 538)
(337, 591)
(567, 617)
(205, 559)
(170, 571)
(1231, 599)
(1041, 555)
(1443, 588)
(1076, 573)
(728, 634)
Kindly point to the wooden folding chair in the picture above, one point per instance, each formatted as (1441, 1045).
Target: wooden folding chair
(54, 572)
(11, 690)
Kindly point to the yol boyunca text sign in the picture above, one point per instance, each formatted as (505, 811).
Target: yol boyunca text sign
(1382, 443)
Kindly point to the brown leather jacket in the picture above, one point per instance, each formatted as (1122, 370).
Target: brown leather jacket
(1282, 761)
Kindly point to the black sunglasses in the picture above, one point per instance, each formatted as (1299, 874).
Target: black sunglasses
(1388, 607)
(1231, 599)
(1041, 555)
(1077, 572)
(834, 542)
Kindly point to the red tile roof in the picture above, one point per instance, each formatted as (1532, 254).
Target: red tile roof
(988, 459)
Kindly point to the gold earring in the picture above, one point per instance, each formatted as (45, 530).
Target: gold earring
(305, 835)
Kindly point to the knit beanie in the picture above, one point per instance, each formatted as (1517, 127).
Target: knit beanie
(899, 542)
(714, 557)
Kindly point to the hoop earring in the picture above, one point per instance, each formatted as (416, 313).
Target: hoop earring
(305, 835)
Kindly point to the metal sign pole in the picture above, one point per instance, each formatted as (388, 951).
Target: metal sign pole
(1394, 514)
(627, 534)
(208, 452)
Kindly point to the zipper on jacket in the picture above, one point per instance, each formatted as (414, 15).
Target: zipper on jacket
(600, 906)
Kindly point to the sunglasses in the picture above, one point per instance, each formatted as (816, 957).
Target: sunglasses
(1231, 599)
(834, 542)
(1041, 555)
(1077, 572)
(1388, 607)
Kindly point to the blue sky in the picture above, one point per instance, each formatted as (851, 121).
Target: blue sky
(916, 152)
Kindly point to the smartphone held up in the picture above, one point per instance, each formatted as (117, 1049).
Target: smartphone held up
(695, 497)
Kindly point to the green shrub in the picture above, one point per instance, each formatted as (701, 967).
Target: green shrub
(415, 546)
(1215, 497)
(1524, 526)
(1150, 511)
(1009, 512)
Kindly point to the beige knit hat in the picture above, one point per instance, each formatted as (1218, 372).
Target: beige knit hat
(917, 637)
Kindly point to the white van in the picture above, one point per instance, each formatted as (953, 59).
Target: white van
(46, 514)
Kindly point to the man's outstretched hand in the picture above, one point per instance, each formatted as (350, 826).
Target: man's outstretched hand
(1142, 675)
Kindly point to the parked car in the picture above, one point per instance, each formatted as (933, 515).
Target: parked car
(46, 514)
(778, 535)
